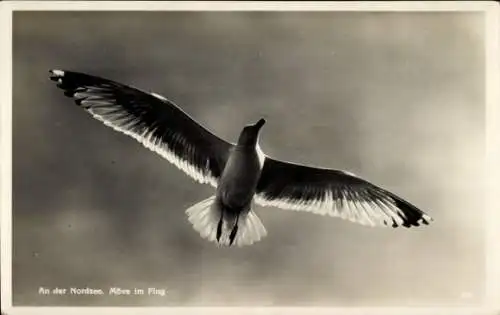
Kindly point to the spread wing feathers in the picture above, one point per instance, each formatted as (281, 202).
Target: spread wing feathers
(150, 119)
(335, 193)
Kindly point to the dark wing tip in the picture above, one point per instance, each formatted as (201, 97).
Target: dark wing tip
(412, 216)
(60, 76)
(55, 74)
(70, 82)
(66, 82)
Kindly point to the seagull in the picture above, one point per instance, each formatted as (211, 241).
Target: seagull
(241, 173)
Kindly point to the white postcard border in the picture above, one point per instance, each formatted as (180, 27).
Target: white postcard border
(492, 162)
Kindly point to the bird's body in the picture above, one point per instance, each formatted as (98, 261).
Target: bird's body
(238, 183)
(241, 173)
(240, 177)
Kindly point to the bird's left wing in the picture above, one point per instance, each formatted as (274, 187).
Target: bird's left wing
(335, 193)
(150, 119)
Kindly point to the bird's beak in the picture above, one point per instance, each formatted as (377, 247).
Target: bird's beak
(260, 123)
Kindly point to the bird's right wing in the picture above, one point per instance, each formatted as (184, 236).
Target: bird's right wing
(150, 119)
(333, 192)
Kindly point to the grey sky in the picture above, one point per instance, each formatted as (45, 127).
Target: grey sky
(397, 98)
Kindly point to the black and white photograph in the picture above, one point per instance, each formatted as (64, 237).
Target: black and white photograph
(248, 158)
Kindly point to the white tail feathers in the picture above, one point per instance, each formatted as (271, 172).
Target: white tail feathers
(250, 229)
(204, 216)
(203, 219)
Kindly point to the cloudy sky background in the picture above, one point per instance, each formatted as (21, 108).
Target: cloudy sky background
(397, 98)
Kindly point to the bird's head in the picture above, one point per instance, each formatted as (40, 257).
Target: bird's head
(250, 133)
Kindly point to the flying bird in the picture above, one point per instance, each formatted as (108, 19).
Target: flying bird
(240, 172)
